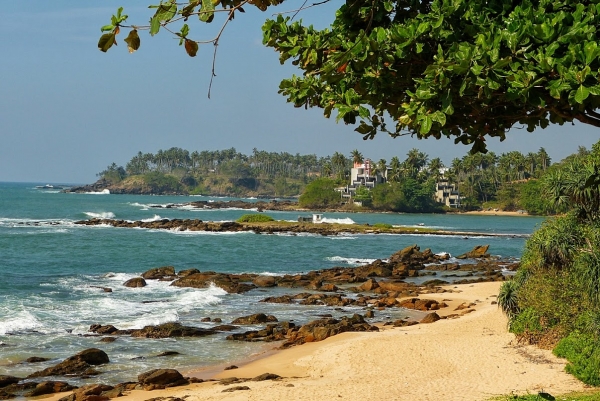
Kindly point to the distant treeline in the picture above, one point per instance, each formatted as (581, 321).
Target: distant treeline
(507, 180)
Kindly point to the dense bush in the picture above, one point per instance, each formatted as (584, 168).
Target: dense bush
(255, 218)
(557, 289)
(320, 193)
(583, 353)
(159, 182)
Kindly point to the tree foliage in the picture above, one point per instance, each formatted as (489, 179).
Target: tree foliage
(463, 69)
(320, 193)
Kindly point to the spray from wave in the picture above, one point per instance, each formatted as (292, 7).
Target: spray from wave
(100, 215)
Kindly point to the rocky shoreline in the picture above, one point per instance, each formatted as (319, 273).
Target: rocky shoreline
(374, 287)
(275, 227)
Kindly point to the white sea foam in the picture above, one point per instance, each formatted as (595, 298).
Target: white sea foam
(103, 192)
(346, 220)
(28, 223)
(350, 261)
(141, 205)
(19, 322)
(176, 231)
(100, 215)
(151, 219)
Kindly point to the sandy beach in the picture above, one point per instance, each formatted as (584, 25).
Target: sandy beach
(472, 357)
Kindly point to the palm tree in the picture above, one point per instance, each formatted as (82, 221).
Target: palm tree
(357, 157)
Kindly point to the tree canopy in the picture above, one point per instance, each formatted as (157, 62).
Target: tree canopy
(464, 69)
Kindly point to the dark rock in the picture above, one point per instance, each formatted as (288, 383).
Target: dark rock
(430, 318)
(257, 318)
(188, 272)
(225, 327)
(35, 359)
(231, 367)
(49, 387)
(168, 353)
(7, 380)
(204, 280)
(159, 273)
(99, 329)
(480, 251)
(266, 376)
(135, 282)
(77, 365)
(168, 330)
(235, 388)
(108, 339)
(284, 299)
(265, 281)
(321, 329)
(161, 378)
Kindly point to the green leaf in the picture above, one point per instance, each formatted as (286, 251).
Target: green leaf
(594, 90)
(381, 34)
(106, 41)
(581, 94)
(154, 26)
(363, 112)
(107, 28)
(207, 12)
(439, 117)
(426, 125)
(165, 12)
(185, 30)
(133, 41)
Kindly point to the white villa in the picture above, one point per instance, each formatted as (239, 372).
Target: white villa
(363, 174)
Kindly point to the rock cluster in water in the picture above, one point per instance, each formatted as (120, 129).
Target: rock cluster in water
(374, 286)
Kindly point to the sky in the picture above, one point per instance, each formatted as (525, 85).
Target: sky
(68, 110)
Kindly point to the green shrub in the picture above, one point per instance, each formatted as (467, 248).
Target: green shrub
(507, 299)
(255, 218)
(526, 321)
(383, 225)
(320, 193)
(583, 353)
(159, 182)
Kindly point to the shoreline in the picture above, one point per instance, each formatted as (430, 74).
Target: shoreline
(469, 358)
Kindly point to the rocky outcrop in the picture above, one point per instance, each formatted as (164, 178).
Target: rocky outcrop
(161, 378)
(49, 387)
(168, 330)
(8, 380)
(321, 329)
(480, 251)
(255, 319)
(80, 364)
(135, 282)
(160, 273)
(204, 280)
(430, 318)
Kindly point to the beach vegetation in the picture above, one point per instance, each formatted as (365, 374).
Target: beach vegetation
(255, 218)
(320, 193)
(557, 288)
(160, 183)
(545, 396)
(383, 226)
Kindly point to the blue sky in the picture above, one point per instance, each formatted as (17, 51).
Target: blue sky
(68, 110)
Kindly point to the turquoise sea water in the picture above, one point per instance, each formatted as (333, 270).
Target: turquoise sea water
(51, 269)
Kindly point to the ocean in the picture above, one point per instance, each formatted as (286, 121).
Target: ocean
(53, 271)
